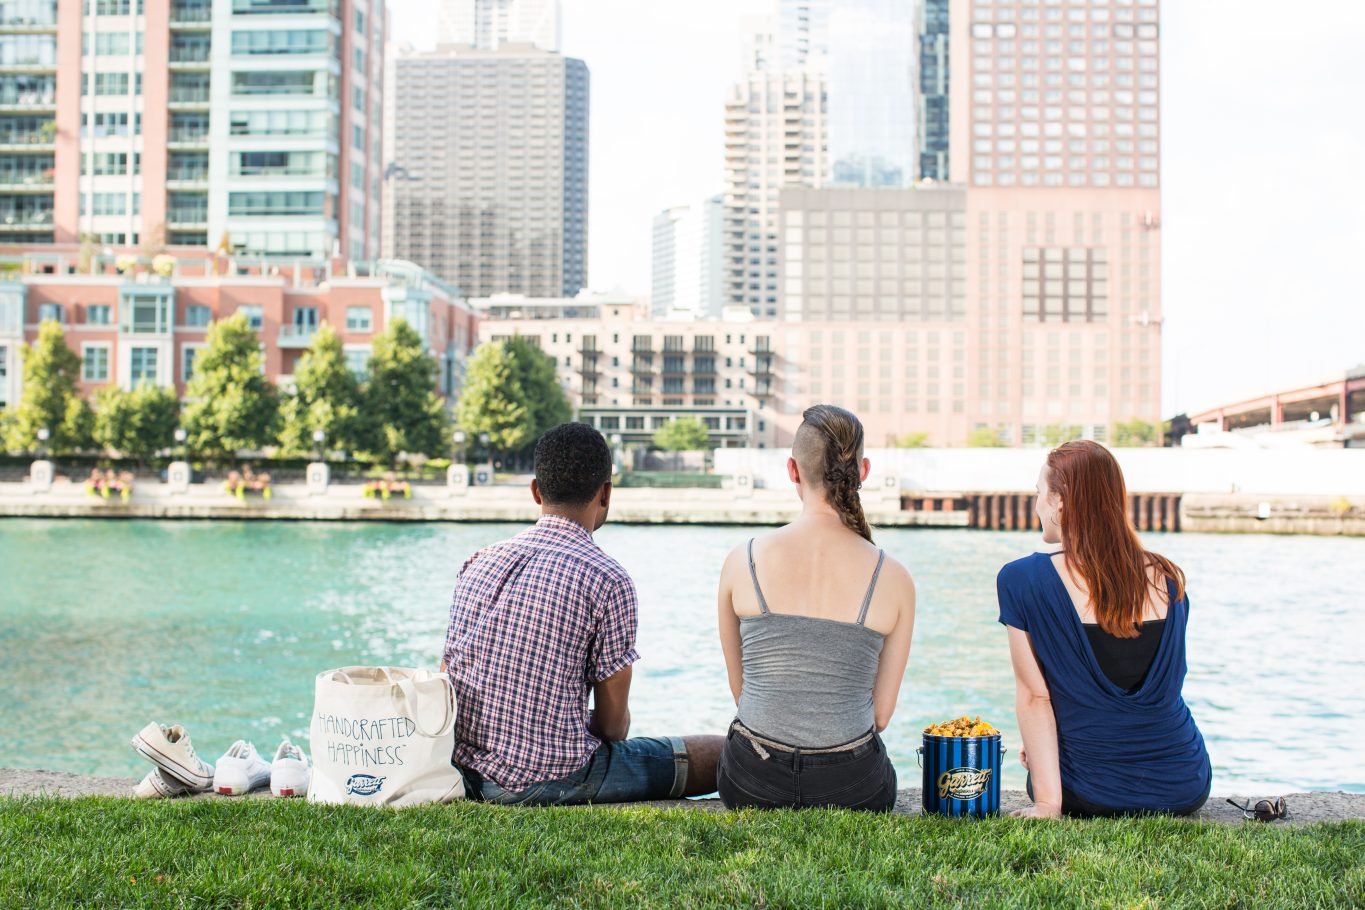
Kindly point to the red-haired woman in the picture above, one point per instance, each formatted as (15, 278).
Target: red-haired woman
(1097, 639)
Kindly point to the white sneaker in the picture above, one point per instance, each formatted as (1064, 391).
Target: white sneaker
(169, 748)
(240, 770)
(157, 784)
(290, 771)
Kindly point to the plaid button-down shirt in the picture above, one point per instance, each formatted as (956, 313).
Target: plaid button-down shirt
(535, 620)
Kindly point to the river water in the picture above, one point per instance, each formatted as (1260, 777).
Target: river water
(222, 626)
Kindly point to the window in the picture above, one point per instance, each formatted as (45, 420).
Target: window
(197, 315)
(142, 365)
(4, 374)
(111, 83)
(357, 138)
(281, 41)
(279, 82)
(358, 318)
(97, 314)
(94, 363)
(254, 313)
(111, 43)
(358, 362)
(145, 311)
(284, 202)
(279, 123)
(49, 312)
(187, 356)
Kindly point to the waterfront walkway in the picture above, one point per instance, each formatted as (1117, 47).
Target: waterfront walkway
(1305, 807)
(510, 503)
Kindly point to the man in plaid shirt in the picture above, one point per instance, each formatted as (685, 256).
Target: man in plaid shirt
(536, 622)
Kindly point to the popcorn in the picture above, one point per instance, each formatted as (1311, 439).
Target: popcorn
(962, 726)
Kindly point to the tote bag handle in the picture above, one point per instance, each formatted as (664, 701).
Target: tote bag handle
(408, 690)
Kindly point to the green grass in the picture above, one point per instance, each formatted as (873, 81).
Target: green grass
(263, 853)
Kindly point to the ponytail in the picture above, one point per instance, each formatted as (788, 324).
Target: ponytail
(842, 436)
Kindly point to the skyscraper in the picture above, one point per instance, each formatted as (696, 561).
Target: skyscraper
(492, 194)
(186, 122)
(933, 90)
(871, 65)
(489, 24)
(687, 264)
(775, 136)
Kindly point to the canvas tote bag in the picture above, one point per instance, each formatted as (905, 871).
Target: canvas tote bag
(383, 736)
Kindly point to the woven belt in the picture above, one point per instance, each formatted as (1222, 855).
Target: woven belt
(762, 744)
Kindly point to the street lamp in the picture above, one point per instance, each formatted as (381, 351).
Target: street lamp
(487, 455)
(459, 437)
(318, 438)
(180, 437)
(43, 436)
(617, 459)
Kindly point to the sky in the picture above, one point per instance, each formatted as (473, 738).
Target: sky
(1263, 169)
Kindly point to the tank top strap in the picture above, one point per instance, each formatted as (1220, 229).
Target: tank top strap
(762, 604)
(867, 598)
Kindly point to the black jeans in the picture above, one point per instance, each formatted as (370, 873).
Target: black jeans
(1075, 807)
(859, 778)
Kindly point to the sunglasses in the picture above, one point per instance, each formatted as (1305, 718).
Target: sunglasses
(1264, 811)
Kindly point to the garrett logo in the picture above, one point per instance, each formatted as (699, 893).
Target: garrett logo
(963, 783)
(364, 784)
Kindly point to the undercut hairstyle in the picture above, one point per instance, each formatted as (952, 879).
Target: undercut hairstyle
(829, 446)
(572, 464)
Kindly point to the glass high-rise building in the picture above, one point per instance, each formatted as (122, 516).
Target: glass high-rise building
(871, 64)
(933, 90)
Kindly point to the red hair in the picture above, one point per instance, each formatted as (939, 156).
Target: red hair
(1099, 540)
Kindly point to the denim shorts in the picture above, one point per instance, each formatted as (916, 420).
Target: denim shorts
(628, 771)
(858, 778)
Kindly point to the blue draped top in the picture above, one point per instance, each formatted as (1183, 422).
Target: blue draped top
(1136, 750)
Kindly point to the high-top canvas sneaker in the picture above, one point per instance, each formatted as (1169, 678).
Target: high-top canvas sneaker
(240, 770)
(156, 785)
(290, 771)
(169, 748)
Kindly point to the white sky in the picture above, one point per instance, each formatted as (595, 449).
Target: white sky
(1263, 168)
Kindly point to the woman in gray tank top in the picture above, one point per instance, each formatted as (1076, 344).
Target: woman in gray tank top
(815, 623)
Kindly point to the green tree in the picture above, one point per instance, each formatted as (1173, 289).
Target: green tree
(49, 399)
(1055, 434)
(682, 434)
(535, 372)
(985, 438)
(139, 423)
(326, 397)
(1136, 433)
(916, 440)
(493, 401)
(231, 404)
(403, 411)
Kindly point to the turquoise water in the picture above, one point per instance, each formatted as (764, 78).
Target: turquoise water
(222, 626)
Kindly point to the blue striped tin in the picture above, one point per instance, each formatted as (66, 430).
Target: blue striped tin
(961, 775)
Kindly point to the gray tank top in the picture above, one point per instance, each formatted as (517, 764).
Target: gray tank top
(808, 681)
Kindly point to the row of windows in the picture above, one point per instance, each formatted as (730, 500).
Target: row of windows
(284, 41)
(285, 202)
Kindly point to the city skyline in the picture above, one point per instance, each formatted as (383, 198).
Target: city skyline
(1222, 235)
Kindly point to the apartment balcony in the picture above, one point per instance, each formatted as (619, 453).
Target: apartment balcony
(195, 57)
(26, 182)
(642, 346)
(188, 219)
(13, 102)
(188, 179)
(30, 21)
(762, 366)
(761, 345)
(191, 15)
(25, 219)
(588, 369)
(294, 337)
(183, 98)
(642, 367)
(180, 139)
(589, 349)
(28, 141)
(35, 63)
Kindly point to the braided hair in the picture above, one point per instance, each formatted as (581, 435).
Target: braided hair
(840, 435)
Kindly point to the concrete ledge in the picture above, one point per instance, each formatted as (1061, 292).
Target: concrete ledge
(1305, 807)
